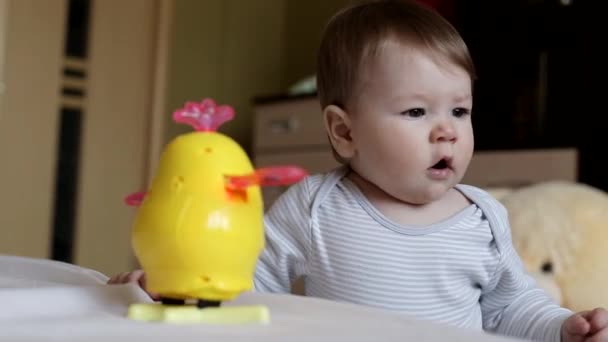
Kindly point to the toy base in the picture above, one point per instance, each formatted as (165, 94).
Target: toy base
(178, 314)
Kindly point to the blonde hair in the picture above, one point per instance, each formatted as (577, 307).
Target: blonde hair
(353, 36)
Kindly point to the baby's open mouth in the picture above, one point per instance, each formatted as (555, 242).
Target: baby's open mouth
(442, 164)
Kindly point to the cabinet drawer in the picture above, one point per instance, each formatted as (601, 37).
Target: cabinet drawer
(289, 123)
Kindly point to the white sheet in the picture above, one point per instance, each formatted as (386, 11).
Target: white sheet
(52, 301)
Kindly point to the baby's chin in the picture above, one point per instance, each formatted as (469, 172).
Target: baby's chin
(420, 196)
(404, 192)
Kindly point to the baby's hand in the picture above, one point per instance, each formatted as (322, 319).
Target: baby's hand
(137, 277)
(586, 326)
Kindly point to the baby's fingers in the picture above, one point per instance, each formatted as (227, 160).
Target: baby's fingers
(142, 284)
(575, 327)
(598, 319)
(117, 278)
(599, 336)
(135, 277)
(126, 277)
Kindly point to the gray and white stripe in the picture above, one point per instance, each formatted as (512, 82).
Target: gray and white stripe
(462, 271)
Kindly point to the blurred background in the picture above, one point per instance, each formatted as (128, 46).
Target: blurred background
(87, 88)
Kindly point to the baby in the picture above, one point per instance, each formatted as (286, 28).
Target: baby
(393, 228)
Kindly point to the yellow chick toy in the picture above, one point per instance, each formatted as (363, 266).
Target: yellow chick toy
(199, 229)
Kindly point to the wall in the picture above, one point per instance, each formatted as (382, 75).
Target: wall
(304, 24)
(230, 50)
(234, 50)
(3, 30)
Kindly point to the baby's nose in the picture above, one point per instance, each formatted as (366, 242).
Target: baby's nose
(444, 131)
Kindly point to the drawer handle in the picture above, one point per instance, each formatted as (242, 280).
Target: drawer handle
(283, 126)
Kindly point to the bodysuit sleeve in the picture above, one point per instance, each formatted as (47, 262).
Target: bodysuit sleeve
(287, 241)
(513, 304)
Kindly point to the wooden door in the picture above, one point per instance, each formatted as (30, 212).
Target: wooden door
(31, 50)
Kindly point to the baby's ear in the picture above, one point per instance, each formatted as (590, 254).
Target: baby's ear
(338, 127)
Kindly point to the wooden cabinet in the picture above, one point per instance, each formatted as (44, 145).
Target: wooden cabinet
(116, 86)
(289, 124)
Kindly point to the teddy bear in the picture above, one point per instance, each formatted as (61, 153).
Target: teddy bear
(560, 231)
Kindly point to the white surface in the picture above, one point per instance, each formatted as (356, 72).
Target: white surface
(44, 300)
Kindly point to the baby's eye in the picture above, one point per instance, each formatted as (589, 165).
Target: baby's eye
(414, 112)
(460, 112)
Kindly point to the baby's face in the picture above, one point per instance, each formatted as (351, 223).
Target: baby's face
(411, 124)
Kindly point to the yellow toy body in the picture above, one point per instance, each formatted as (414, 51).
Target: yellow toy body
(192, 236)
(199, 229)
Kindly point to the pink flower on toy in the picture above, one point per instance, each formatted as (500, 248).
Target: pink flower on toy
(204, 116)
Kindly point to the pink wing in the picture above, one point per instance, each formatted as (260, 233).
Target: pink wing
(135, 199)
(268, 176)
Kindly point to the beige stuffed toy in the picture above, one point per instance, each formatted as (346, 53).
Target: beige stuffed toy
(560, 230)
